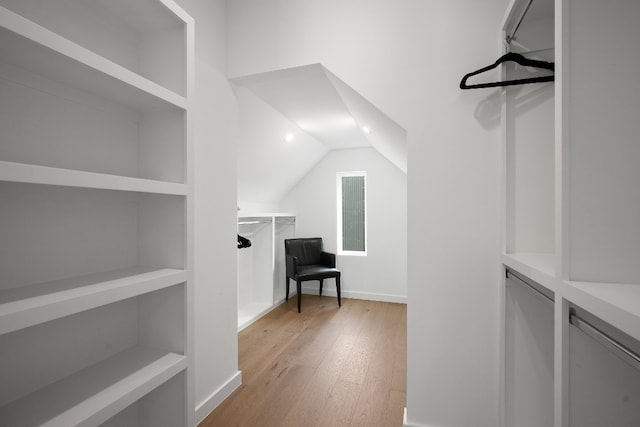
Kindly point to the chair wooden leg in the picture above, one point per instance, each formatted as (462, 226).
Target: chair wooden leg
(321, 282)
(338, 290)
(299, 287)
(286, 295)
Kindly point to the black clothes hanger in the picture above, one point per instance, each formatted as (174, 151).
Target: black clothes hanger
(514, 57)
(243, 242)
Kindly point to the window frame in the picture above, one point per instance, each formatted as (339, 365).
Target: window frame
(339, 176)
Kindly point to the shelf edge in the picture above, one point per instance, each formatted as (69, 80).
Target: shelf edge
(21, 314)
(539, 271)
(34, 174)
(609, 311)
(43, 37)
(120, 395)
(156, 368)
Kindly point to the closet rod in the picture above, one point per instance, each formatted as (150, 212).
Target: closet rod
(546, 49)
(524, 51)
(529, 286)
(609, 343)
(511, 37)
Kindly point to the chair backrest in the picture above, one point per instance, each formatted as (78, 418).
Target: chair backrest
(307, 250)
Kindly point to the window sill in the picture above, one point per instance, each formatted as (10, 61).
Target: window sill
(352, 253)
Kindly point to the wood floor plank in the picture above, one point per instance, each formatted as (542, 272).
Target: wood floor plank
(399, 378)
(357, 364)
(394, 412)
(339, 408)
(371, 404)
(308, 409)
(352, 316)
(326, 366)
(290, 384)
(377, 384)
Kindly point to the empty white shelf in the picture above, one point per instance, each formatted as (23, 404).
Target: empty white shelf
(93, 395)
(32, 47)
(540, 267)
(33, 174)
(615, 303)
(30, 305)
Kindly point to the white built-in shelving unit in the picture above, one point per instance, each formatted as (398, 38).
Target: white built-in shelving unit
(571, 240)
(261, 267)
(284, 227)
(95, 220)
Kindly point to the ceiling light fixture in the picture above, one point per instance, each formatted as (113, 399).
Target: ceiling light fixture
(288, 137)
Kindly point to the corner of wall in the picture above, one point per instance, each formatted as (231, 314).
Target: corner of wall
(405, 422)
(207, 406)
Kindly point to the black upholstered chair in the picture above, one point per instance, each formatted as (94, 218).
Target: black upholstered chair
(306, 260)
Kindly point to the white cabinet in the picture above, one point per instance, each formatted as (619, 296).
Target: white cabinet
(95, 218)
(261, 267)
(570, 173)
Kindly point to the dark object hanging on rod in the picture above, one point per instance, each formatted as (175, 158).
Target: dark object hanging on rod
(243, 242)
(513, 57)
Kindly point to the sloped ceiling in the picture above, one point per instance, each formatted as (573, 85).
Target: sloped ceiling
(268, 166)
(385, 135)
(325, 114)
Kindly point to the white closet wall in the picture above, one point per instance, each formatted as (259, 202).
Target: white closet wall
(570, 224)
(96, 190)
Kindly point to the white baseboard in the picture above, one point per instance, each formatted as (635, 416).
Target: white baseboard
(258, 315)
(216, 398)
(310, 290)
(313, 290)
(405, 423)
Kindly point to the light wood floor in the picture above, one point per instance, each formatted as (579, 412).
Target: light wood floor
(326, 366)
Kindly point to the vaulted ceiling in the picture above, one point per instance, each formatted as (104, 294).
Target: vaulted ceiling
(291, 118)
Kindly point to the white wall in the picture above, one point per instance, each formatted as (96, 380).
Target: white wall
(382, 274)
(407, 57)
(216, 341)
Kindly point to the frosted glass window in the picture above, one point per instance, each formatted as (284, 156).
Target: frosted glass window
(352, 213)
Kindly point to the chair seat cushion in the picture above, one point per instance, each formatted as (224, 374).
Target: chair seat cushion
(313, 272)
